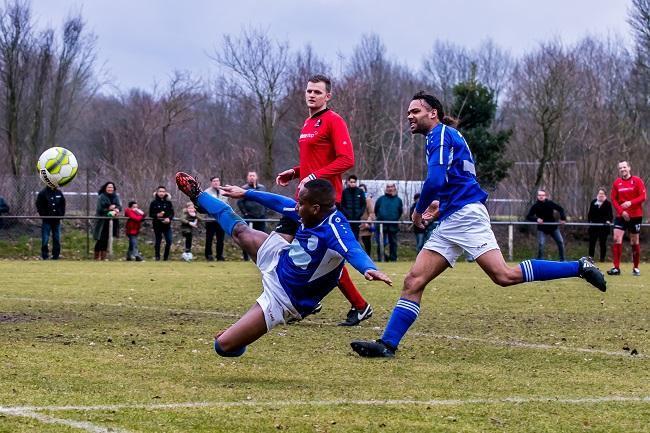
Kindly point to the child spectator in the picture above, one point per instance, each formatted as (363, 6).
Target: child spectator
(189, 221)
(135, 216)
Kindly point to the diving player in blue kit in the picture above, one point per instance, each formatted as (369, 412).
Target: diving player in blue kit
(296, 275)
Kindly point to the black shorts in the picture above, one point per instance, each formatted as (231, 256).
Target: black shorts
(633, 225)
(287, 226)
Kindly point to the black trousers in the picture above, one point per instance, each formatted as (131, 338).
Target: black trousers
(212, 230)
(159, 232)
(598, 234)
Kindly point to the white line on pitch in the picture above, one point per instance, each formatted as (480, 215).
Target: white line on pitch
(46, 419)
(339, 402)
(502, 343)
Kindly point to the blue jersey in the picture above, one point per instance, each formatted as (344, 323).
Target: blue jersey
(311, 266)
(451, 174)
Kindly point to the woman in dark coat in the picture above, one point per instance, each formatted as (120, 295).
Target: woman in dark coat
(108, 205)
(600, 212)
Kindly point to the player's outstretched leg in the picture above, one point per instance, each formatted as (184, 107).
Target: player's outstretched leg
(245, 237)
(250, 327)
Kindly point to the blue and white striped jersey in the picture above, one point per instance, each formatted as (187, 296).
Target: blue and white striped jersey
(451, 174)
(311, 266)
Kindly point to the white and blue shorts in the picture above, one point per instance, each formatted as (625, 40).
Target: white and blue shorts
(468, 229)
(275, 303)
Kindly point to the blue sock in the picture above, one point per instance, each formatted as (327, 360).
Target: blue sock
(543, 270)
(401, 319)
(220, 211)
(231, 354)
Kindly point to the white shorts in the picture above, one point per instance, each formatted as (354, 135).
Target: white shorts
(466, 229)
(274, 301)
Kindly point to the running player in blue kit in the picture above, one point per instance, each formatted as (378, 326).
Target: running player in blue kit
(453, 196)
(296, 275)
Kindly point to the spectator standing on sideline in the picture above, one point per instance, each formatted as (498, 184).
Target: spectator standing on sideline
(417, 231)
(135, 216)
(389, 207)
(543, 213)
(365, 229)
(353, 203)
(628, 195)
(189, 221)
(212, 228)
(250, 209)
(50, 203)
(600, 212)
(108, 205)
(161, 211)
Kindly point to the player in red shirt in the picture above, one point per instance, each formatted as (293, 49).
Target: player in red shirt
(325, 153)
(628, 195)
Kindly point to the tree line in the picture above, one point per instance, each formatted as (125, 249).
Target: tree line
(558, 117)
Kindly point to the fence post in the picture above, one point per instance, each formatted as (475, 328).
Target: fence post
(510, 241)
(110, 238)
(381, 242)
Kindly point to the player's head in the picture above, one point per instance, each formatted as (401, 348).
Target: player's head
(133, 204)
(315, 200)
(107, 188)
(541, 195)
(318, 92)
(624, 169)
(215, 182)
(251, 177)
(424, 113)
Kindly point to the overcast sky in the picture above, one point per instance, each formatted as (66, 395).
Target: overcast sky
(143, 41)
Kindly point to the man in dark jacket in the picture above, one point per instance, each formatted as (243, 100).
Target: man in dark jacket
(353, 204)
(543, 212)
(4, 208)
(50, 203)
(389, 207)
(162, 213)
(250, 209)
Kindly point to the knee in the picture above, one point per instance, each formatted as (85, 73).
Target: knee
(413, 284)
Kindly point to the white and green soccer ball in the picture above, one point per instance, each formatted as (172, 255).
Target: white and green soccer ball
(57, 166)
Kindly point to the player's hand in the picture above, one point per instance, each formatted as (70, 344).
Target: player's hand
(372, 275)
(160, 214)
(626, 204)
(166, 221)
(625, 215)
(540, 221)
(416, 217)
(285, 177)
(233, 191)
(432, 211)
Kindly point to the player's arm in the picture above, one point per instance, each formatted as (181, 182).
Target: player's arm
(615, 203)
(642, 194)
(343, 242)
(276, 202)
(344, 154)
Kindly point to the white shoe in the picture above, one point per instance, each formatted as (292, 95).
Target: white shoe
(636, 272)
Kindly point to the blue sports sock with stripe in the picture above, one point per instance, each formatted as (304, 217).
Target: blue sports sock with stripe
(220, 211)
(401, 319)
(543, 270)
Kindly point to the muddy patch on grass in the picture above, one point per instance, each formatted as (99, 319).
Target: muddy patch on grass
(18, 317)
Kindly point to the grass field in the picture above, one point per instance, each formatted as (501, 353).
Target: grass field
(127, 347)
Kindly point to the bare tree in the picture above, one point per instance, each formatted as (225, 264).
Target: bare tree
(259, 69)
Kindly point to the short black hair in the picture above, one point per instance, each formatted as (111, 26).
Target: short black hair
(352, 176)
(214, 177)
(321, 192)
(431, 101)
(320, 78)
(161, 186)
(132, 202)
(416, 196)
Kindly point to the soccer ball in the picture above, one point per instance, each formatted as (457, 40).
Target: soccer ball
(187, 256)
(57, 167)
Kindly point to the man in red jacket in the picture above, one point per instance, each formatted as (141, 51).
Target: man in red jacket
(325, 153)
(628, 195)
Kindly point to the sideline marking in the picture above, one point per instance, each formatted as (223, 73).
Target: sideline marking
(501, 343)
(46, 419)
(283, 403)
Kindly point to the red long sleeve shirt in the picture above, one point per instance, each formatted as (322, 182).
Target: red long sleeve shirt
(632, 190)
(325, 149)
